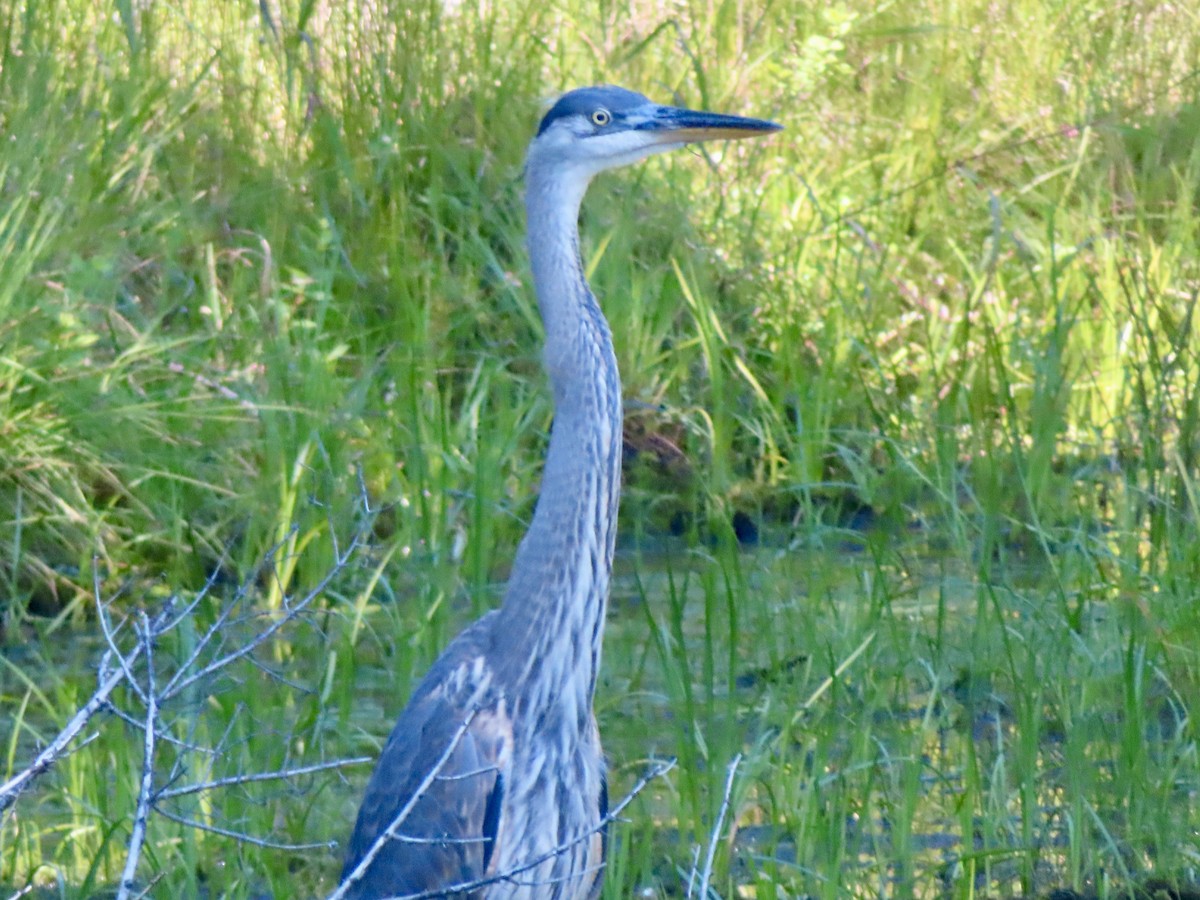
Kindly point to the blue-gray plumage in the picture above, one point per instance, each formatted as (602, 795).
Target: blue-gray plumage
(494, 771)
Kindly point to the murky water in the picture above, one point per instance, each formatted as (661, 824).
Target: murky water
(902, 728)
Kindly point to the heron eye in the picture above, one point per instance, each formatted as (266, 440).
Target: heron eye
(601, 117)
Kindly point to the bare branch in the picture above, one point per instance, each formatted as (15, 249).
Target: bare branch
(173, 687)
(157, 683)
(201, 595)
(244, 650)
(391, 832)
(276, 676)
(234, 780)
(715, 836)
(473, 773)
(658, 769)
(142, 812)
(57, 748)
(110, 636)
(242, 836)
(145, 892)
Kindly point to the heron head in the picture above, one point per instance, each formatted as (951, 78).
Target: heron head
(596, 128)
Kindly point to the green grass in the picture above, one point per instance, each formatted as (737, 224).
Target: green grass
(247, 252)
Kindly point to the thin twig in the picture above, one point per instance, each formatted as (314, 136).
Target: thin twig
(202, 594)
(140, 725)
(393, 828)
(145, 892)
(660, 767)
(234, 780)
(145, 790)
(110, 636)
(130, 644)
(715, 837)
(693, 871)
(242, 836)
(57, 748)
(263, 636)
(173, 687)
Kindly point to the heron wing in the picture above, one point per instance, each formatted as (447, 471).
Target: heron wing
(449, 834)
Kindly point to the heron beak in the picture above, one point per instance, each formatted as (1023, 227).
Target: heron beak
(672, 125)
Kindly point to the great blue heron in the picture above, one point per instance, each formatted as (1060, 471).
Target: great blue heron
(494, 772)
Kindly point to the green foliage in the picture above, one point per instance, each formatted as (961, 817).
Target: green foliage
(250, 250)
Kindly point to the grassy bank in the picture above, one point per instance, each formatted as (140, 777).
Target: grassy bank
(935, 342)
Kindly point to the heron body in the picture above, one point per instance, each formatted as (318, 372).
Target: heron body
(492, 782)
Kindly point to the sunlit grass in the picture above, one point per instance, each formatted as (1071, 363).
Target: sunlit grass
(936, 341)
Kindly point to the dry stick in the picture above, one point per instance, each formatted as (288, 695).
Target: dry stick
(110, 638)
(706, 875)
(142, 813)
(145, 892)
(660, 768)
(290, 613)
(556, 879)
(57, 748)
(242, 836)
(233, 780)
(222, 619)
(108, 681)
(201, 594)
(140, 724)
(693, 871)
(110, 677)
(390, 832)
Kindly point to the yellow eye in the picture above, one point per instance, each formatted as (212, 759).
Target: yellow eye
(601, 117)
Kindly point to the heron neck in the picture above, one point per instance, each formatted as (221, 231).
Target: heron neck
(558, 591)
